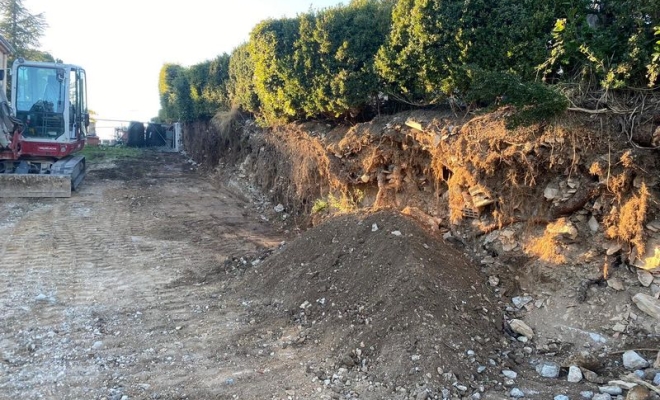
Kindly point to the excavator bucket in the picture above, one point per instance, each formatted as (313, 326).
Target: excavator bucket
(34, 185)
(66, 174)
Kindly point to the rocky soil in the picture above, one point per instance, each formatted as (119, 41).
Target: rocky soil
(366, 264)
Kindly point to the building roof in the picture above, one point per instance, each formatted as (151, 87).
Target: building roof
(5, 47)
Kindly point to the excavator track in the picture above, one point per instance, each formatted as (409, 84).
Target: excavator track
(65, 176)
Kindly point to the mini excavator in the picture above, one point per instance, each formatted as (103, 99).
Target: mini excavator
(42, 129)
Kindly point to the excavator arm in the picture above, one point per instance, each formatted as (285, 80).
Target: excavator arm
(8, 124)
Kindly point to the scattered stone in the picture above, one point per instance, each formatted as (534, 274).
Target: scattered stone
(97, 345)
(507, 247)
(561, 397)
(481, 369)
(602, 396)
(510, 374)
(493, 281)
(650, 305)
(583, 359)
(616, 284)
(638, 393)
(654, 226)
(614, 249)
(41, 297)
(279, 208)
(517, 393)
(592, 377)
(622, 384)
(645, 278)
(587, 394)
(521, 302)
(633, 361)
(548, 369)
(619, 327)
(521, 328)
(611, 390)
(655, 292)
(397, 233)
(574, 374)
(656, 379)
(550, 193)
(374, 228)
(593, 224)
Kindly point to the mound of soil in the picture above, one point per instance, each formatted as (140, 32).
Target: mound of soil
(381, 296)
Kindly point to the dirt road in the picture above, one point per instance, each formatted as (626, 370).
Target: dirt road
(100, 294)
(156, 282)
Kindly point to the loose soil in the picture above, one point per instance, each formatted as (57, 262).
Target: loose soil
(159, 281)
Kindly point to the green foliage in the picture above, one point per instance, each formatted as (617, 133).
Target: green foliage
(653, 68)
(95, 154)
(339, 61)
(346, 202)
(240, 86)
(605, 43)
(208, 87)
(533, 101)
(21, 28)
(272, 52)
(506, 35)
(167, 92)
(334, 57)
(320, 205)
(320, 63)
(416, 61)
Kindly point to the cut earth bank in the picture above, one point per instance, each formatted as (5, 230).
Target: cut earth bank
(532, 260)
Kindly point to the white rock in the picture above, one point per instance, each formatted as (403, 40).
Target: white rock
(650, 305)
(374, 228)
(510, 374)
(97, 345)
(613, 249)
(548, 369)
(633, 361)
(574, 374)
(593, 224)
(509, 247)
(551, 193)
(611, 390)
(521, 301)
(279, 208)
(397, 233)
(616, 284)
(521, 328)
(516, 393)
(645, 278)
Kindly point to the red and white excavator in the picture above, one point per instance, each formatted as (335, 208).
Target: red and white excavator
(41, 129)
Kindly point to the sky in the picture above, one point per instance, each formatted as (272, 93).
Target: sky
(122, 44)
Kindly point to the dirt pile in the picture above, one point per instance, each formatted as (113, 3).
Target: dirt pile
(378, 296)
(563, 218)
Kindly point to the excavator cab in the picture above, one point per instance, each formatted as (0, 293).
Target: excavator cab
(44, 125)
(50, 99)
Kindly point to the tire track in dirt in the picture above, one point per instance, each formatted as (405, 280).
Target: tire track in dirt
(105, 292)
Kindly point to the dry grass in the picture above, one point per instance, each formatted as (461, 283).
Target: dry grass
(627, 224)
(548, 246)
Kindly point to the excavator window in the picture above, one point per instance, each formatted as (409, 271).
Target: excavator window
(40, 101)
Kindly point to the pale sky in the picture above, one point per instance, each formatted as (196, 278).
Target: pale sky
(122, 44)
